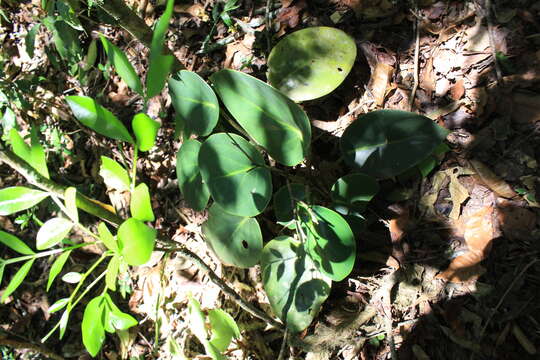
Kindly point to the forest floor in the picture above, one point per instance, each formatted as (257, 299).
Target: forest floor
(448, 265)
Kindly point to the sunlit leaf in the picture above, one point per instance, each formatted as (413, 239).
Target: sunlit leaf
(141, 206)
(107, 238)
(97, 118)
(57, 267)
(114, 175)
(58, 305)
(311, 62)
(123, 67)
(70, 200)
(34, 154)
(136, 241)
(273, 120)
(72, 277)
(145, 129)
(52, 232)
(190, 181)
(15, 244)
(63, 322)
(17, 279)
(18, 198)
(223, 328)
(93, 332)
(112, 273)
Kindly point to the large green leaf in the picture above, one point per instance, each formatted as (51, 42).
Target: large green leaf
(97, 118)
(236, 240)
(15, 244)
(385, 143)
(235, 173)
(136, 241)
(311, 62)
(195, 103)
(123, 67)
(140, 205)
(93, 331)
(286, 198)
(331, 243)
(34, 154)
(352, 192)
(52, 232)
(269, 117)
(145, 129)
(190, 181)
(17, 198)
(57, 267)
(223, 328)
(114, 175)
(295, 288)
(17, 279)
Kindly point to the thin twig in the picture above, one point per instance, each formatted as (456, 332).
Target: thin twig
(281, 355)
(416, 56)
(489, 21)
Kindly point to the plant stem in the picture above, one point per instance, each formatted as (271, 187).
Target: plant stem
(71, 304)
(134, 168)
(43, 254)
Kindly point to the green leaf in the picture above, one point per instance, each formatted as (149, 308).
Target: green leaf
(15, 244)
(115, 319)
(331, 243)
(52, 232)
(190, 181)
(223, 328)
(17, 279)
(30, 39)
(123, 67)
(236, 240)
(2, 267)
(57, 267)
(145, 130)
(136, 241)
(284, 204)
(33, 155)
(311, 63)
(114, 175)
(91, 56)
(295, 288)
(273, 120)
(197, 320)
(112, 273)
(72, 277)
(352, 192)
(195, 103)
(97, 118)
(160, 65)
(235, 174)
(17, 198)
(426, 166)
(63, 322)
(385, 143)
(58, 305)
(93, 332)
(140, 206)
(107, 238)
(70, 200)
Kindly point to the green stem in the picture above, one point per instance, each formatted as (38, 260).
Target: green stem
(43, 254)
(89, 287)
(70, 305)
(134, 168)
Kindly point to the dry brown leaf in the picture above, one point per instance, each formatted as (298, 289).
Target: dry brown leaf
(492, 181)
(458, 90)
(379, 81)
(463, 268)
(516, 222)
(458, 193)
(427, 78)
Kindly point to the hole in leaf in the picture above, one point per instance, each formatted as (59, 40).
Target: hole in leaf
(244, 244)
(339, 69)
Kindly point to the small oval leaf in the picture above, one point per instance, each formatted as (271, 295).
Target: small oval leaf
(112, 273)
(123, 67)
(352, 192)
(15, 244)
(72, 277)
(145, 129)
(97, 118)
(223, 328)
(136, 241)
(107, 238)
(236, 240)
(58, 305)
(311, 62)
(194, 190)
(17, 279)
(52, 232)
(17, 198)
(141, 206)
(57, 267)
(114, 175)
(93, 332)
(284, 203)
(70, 200)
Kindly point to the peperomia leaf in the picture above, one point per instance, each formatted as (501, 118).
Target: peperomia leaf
(34, 154)
(141, 206)
(145, 129)
(123, 67)
(107, 238)
(57, 267)
(284, 203)
(17, 279)
(352, 192)
(195, 103)
(93, 331)
(114, 175)
(17, 198)
(190, 181)
(385, 143)
(311, 62)
(236, 240)
(295, 288)
(330, 242)
(97, 118)
(273, 120)
(136, 241)
(223, 328)
(235, 174)
(15, 244)
(160, 65)
(52, 232)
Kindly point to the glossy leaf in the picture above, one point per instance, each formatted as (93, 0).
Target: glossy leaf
(236, 240)
(97, 118)
(70, 200)
(33, 155)
(274, 121)
(136, 241)
(223, 328)
(112, 273)
(284, 204)
(63, 322)
(195, 103)
(2, 267)
(123, 67)
(17, 279)
(331, 243)
(107, 238)
(197, 325)
(352, 192)
(235, 174)
(145, 129)
(160, 65)
(52, 232)
(385, 143)
(141, 206)
(311, 62)
(114, 175)
(115, 319)
(295, 288)
(30, 39)
(58, 305)
(57, 267)
(93, 331)
(195, 192)
(72, 277)
(17, 198)
(15, 244)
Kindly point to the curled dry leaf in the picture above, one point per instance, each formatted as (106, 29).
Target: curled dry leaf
(495, 183)
(379, 81)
